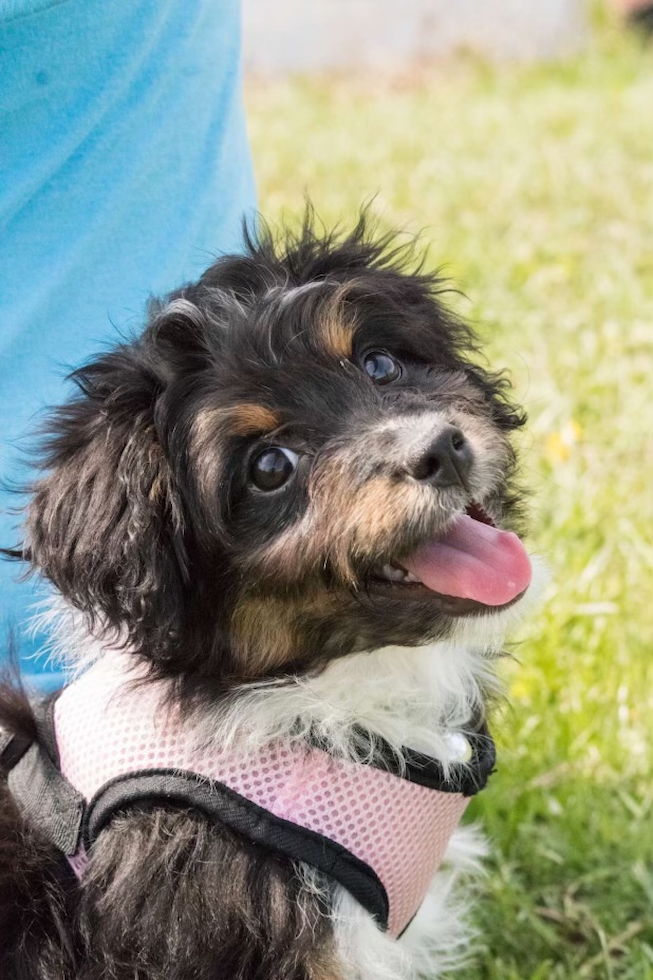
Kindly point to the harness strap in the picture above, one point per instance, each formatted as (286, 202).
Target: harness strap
(12, 748)
(45, 797)
(166, 787)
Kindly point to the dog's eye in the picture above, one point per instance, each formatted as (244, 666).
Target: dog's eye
(381, 368)
(272, 468)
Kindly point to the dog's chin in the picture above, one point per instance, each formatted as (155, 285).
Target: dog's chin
(454, 607)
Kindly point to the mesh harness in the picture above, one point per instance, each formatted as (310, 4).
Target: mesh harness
(379, 829)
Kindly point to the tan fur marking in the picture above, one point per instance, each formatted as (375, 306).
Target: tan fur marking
(157, 489)
(235, 420)
(262, 634)
(372, 514)
(213, 425)
(337, 324)
(337, 336)
(267, 632)
(250, 419)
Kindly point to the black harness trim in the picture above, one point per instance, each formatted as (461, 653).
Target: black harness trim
(165, 787)
(465, 778)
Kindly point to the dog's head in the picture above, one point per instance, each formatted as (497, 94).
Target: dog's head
(299, 458)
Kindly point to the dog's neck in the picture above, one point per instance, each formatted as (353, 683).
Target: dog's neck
(414, 697)
(408, 697)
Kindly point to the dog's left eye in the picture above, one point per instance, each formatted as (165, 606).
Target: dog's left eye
(272, 468)
(381, 367)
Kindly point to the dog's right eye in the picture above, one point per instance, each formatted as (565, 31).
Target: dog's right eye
(381, 367)
(272, 468)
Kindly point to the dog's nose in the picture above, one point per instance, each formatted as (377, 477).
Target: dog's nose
(446, 462)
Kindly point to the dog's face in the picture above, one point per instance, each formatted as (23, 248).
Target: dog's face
(297, 460)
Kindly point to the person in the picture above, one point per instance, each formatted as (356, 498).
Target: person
(638, 14)
(124, 169)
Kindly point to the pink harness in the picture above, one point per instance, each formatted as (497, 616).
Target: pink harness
(380, 834)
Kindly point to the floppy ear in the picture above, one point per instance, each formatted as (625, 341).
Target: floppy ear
(105, 524)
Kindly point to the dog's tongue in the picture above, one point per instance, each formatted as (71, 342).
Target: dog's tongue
(473, 561)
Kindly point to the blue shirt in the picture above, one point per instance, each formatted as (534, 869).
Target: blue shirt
(124, 169)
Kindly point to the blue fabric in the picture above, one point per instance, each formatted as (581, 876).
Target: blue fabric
(124, 168)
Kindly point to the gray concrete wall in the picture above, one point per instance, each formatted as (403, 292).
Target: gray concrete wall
(318, 35)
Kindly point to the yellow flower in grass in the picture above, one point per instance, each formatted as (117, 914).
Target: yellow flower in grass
(559, 445)
(521, 689)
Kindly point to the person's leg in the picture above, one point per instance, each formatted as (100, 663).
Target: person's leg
(125, 167)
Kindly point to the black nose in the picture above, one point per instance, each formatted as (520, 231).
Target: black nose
(446, 462)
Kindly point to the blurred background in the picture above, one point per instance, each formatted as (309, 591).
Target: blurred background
(518, 137)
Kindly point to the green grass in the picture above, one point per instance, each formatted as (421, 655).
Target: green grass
(534, 185)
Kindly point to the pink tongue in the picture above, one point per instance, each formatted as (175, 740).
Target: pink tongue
(474, 561)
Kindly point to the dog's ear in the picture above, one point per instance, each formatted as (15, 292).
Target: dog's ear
(105, 523)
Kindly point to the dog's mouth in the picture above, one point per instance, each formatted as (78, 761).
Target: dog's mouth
(473, 566)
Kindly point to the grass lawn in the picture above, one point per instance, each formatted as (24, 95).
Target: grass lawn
(534, 186)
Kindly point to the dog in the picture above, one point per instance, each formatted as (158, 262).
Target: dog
(283, 521)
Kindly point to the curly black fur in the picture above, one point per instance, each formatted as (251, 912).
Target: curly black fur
(145, 521)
